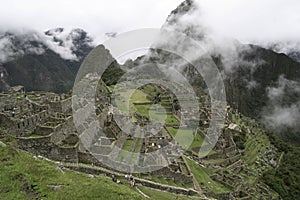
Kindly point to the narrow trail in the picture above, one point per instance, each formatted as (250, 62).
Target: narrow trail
(146, 196)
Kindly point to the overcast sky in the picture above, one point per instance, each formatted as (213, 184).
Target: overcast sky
(249, 20)
(95, 16)
(246, 20)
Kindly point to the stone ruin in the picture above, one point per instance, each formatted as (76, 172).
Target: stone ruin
(43, 124)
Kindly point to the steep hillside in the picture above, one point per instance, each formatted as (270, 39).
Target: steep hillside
(46, 72)
(46, 62)
(250, 72)
(26, 177)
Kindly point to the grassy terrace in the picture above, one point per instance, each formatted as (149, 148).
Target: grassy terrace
(165, 118)
(206, 153)
(156, 194)
(205, 182)
(23, 177)
(255, 145)
(138, 96)
(151, 90)
(125, 150)
(165, 181)
(143, 110)
(136, 151)
(198, 141)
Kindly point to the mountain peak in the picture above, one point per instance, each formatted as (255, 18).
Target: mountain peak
(184, 8)
(54, 31)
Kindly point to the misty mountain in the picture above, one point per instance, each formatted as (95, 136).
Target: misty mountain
(49, 62)
(43, 61)
(250, 72)
(289, 48)
(295, 55)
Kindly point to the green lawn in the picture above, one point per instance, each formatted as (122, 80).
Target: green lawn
(139, 96)
(125, 150)
(201, 154)
(23, 177)
(160, 195)
(165, 118)
(166, 181)
(151, 89)
(133, 96)
(187, 135)
(143, 110)
(127, 145)
(201, 175)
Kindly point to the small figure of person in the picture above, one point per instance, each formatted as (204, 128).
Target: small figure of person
(113, 178)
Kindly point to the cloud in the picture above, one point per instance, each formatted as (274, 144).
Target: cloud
(61, 42)
(65, 42)
(249, 21)
(252, 20)
(283, 117)
(6, 50)
(97, 17)
(18, 44)
(194, 23)
(282, 112)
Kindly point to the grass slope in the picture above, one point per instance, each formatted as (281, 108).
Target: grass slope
(23, 177)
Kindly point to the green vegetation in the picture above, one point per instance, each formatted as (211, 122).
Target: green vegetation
(112, 74)
(151, 90)
(125, 150)
(23, 177)
(285, 178)
(134, 96)
(255, 145)
(198, 141)
(165, 118)
(143, 110)
(127, 145)
(205, 182)
(166, 181)
(156, 194)
(138, 96)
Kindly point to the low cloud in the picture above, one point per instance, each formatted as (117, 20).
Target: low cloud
(18, 42)
(13, 45)
(280, 114)
(192, 21)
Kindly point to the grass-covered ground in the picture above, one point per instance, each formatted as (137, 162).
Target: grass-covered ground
(205, 182)
(155, 194)
(166, 181)
(24, 177)
(125, 150)
(197, 142)
(138, 96)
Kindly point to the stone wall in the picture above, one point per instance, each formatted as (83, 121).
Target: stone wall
(88, 158)
(36, 145)
(43, 130)
(167, 173)
(162, 187)
(63, 131)
(32, 121)
(65, 154)
(63, 106)
(5, 121)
